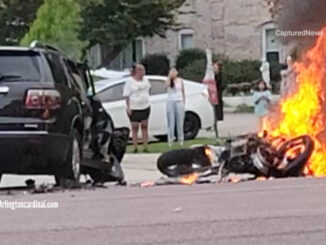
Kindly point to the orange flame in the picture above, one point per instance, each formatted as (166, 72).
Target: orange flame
(189, 179)
(235, 180)
(209, 154)
(304, 111)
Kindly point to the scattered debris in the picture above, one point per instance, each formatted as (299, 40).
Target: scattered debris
(235, 180)
(177, 209)
(30, 183)
(261, 179)
(147, 184)
(43, 188)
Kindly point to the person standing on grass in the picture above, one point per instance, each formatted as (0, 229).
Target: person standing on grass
(175, 106)
(262, 100)
(218, 108)
(212, 86)
(136, 92)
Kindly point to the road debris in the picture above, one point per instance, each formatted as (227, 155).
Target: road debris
(177, 209)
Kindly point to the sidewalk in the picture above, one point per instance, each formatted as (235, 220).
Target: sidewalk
(137, 168)
(234, 124)
(140, 167)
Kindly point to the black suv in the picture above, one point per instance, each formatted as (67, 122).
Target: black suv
(44, 111)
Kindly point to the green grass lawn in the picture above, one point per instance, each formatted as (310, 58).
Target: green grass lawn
(160, 147)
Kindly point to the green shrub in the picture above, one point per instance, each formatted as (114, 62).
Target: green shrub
(195, 71)
(239, 89)
(156, 64)
(244, 71)
(244, 109)
(234, 72)
(188, 56)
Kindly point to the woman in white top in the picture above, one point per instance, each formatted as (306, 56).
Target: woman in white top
(175, 106)
(136, 92)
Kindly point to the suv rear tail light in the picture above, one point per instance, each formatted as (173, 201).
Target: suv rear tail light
(43, 99)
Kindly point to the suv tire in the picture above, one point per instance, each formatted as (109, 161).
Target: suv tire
(69, 174)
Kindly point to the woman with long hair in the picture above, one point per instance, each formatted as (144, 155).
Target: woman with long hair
(175, 106)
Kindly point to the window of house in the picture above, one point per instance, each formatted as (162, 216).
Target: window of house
(114, 93)
(157, 87)
(186, 39)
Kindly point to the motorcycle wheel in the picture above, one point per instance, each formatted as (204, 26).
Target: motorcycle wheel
(297, 153)
(183, 162)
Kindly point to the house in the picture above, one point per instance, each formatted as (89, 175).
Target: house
(238, 29)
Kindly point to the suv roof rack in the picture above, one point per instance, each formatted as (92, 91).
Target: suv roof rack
(38, 44)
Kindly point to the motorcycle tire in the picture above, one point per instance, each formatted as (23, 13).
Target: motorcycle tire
(296, 165)
(176, 163)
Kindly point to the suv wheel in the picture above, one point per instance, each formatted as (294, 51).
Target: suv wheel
(70, 173)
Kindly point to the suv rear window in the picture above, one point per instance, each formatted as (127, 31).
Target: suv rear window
(19, 66)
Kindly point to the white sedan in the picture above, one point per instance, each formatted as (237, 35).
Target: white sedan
(199, 112)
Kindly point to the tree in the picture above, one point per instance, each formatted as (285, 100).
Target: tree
(16, 17)
(115, 23)
(58, 23)
(156, 64)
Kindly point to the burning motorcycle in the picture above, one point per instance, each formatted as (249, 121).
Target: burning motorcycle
(250, 154)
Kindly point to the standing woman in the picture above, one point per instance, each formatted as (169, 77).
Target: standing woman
(136, 92)
(218, 108)
(175, 106)
(262, 100)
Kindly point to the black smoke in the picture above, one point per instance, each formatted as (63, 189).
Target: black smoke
(301, 15)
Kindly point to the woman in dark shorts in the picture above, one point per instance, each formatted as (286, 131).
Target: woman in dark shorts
(136, 92)
(139, 115)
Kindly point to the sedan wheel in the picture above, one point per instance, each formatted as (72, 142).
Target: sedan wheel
(191, 126)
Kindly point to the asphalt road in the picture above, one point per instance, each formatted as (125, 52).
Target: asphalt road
(290, 211)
